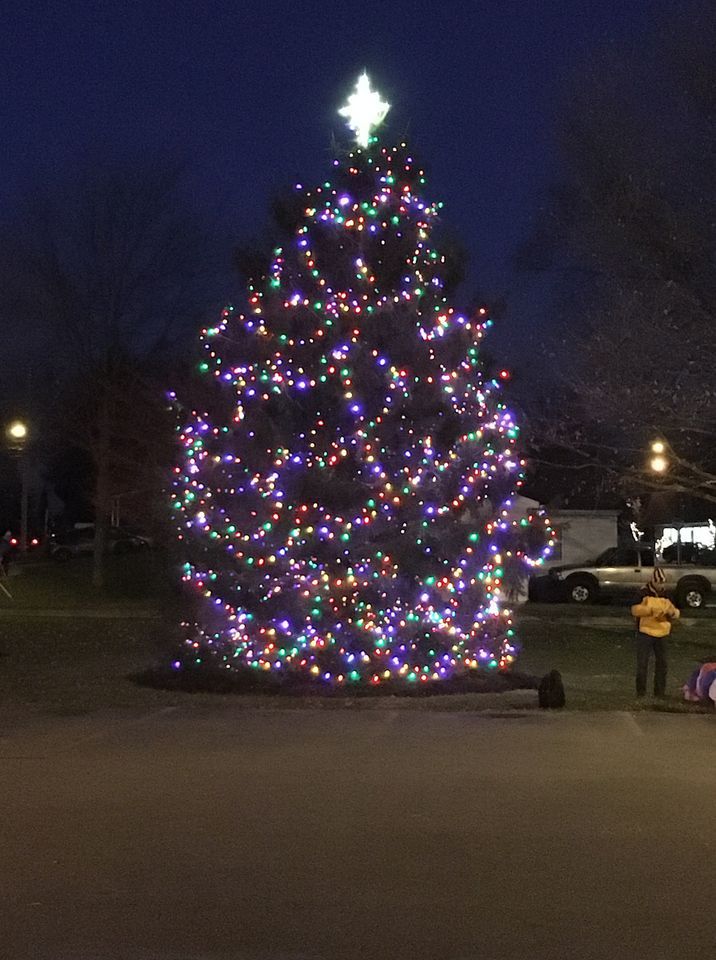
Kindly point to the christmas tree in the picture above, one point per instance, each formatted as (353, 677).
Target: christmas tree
(344, 494)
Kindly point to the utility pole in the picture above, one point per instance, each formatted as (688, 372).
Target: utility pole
(23, 503)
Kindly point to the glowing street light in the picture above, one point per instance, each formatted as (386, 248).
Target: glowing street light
(17, 431)
(659, 462)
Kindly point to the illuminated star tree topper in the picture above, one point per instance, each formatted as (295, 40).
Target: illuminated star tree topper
(364, 110)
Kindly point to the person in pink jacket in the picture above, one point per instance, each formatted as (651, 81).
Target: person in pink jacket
(654, 615)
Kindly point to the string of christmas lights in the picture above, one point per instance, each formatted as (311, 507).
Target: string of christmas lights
(345, 501)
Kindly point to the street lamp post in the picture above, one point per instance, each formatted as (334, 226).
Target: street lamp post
(17, 434)
(661, 460)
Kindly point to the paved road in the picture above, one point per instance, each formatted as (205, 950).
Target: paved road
(217, 833)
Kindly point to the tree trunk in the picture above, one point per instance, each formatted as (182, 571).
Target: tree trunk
(102, 493)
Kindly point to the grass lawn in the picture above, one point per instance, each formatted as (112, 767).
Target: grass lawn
(135, 581)
(597, 662)
(73, 666)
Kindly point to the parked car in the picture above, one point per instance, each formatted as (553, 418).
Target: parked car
(80, 542)
(620, 573)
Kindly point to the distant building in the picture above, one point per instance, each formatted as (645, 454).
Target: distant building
(581, 534)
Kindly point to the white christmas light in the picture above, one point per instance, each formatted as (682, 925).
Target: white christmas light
(364, 110)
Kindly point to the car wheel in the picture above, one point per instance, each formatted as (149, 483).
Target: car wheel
(62, 554)
(691, 595)
(581, 590)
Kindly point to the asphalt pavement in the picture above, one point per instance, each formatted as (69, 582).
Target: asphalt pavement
(213, 833)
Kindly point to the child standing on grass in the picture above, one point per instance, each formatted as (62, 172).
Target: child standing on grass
(654, 614)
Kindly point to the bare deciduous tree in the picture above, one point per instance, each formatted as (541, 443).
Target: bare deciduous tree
(633, 227)
(109, 272)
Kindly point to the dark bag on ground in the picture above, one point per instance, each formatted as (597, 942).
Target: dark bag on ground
(551, 691)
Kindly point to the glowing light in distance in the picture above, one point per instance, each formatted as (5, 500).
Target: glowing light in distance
(17, 430)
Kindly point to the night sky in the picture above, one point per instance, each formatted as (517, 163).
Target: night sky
(247, 95)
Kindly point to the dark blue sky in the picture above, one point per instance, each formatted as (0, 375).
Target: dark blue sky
(248, 94)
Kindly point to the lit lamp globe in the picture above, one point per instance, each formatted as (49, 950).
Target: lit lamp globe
(17, 431)
(659, 463)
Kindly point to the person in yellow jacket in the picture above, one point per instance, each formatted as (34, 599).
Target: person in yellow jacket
(654, 615)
